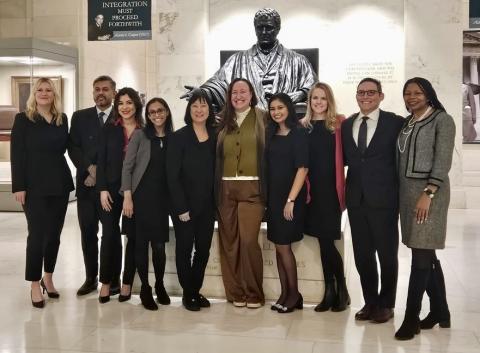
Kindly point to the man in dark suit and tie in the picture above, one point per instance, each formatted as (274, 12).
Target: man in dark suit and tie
(369, 146)
(84, 133)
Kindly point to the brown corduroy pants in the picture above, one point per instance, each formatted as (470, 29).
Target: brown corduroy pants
(240, 214)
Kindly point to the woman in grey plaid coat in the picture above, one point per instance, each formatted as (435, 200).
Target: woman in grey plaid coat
(425, 147)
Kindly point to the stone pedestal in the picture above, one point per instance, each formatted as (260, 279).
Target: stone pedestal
(307, 253)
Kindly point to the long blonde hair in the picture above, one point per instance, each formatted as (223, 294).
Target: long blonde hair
(56, 107)
(331, 113)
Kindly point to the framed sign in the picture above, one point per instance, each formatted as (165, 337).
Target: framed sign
(119, 20)
(21, 89)
(474, 11)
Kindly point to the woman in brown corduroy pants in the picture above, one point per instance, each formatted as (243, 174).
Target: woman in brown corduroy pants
(240, 194)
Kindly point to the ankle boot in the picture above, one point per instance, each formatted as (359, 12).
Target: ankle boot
(162, 295)
(343, 298)
(410, 327)
(416, 287)
(328, 298)
(147, 298)
(439, 313)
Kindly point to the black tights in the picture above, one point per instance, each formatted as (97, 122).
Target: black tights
(158, 259)
(287, 272)
(423, 259)
(332, 262)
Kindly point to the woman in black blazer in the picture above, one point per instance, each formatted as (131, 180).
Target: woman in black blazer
(41, 182)
(145, 192)
(190, 174)
(113, 142)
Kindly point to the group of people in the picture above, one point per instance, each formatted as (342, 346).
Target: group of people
(239, 168)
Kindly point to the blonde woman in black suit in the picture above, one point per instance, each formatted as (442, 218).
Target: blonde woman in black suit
(41, 182)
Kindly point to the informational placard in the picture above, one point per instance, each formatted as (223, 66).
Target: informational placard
(119, 20)
(474, 13)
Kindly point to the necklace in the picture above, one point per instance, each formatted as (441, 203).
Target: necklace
(407, 130)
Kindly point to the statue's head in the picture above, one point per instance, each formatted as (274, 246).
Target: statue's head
(267, 25)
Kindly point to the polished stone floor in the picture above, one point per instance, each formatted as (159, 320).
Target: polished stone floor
(82, 325)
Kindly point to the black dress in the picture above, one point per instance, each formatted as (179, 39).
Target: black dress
(323, 212)
(151, 199)
(285, 154)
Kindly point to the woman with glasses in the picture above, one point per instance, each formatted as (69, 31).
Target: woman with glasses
(145, 192)
(190, 173)
(41, 182)
(425, 148)
(327, 191)
(113, 143)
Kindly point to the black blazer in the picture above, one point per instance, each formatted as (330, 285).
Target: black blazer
(110, 156)
(372, 177)
(37, 155)
(190, 170)
(83, 143)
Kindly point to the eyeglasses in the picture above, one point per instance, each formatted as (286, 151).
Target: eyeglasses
(369, 93)
(160, 111)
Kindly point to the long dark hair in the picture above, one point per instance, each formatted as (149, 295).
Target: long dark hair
(202, 96)
(428, 90)
(149, 129)
(227, 114)
(292, 120)
(133, 95)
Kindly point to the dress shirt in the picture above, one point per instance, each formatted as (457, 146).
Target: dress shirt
(106, 111)
(371, 125)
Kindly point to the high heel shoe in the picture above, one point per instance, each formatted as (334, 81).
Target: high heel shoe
(54, 295)
(124, 298)
(40, 304)
(298, 305)
(103, 300)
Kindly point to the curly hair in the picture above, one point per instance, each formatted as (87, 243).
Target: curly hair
(133, 95)
(268, 13)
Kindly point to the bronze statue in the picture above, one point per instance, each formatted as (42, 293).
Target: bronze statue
(268, 65)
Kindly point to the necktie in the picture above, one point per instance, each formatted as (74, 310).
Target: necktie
(100, 116)
(362, 135)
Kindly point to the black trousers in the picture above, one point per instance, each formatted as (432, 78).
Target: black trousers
(88, 211)
(375, 232)
(111, 246)
(129, 265)
(196, 233)
(45, 216)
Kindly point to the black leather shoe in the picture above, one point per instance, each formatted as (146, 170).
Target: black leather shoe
(190, 303)
(203, 302)
(365, 313)
(431, 320)
(381, 315)
(88, 286)
(123, 298)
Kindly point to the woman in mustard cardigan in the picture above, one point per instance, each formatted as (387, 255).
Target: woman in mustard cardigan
(327, 191)
(240, 196)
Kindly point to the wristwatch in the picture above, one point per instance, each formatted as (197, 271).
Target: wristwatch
(290, 200)
(429, 192)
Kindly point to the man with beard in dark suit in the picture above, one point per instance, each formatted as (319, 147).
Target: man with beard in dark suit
(85, 129)
(369, 141)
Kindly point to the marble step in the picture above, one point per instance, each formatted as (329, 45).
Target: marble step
(471, 178)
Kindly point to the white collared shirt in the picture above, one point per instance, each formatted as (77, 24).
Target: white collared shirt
(106, 111)
(371, 125)
(241, 116)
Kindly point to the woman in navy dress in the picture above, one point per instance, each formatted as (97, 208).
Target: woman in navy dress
(327, 191)
(287, 161)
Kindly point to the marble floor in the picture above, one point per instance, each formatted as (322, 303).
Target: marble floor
(72, 325)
